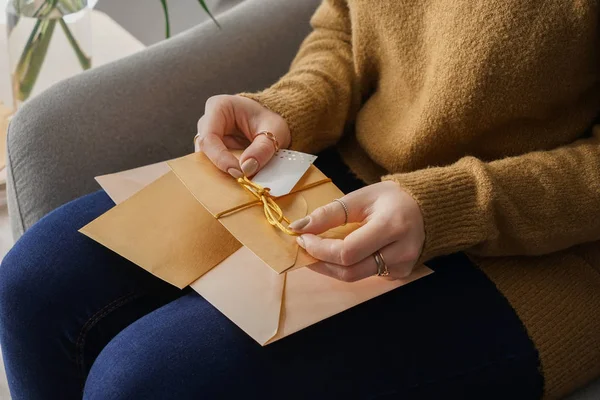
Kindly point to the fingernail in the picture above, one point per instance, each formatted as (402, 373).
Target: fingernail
(250, 166)
(300, 242)
(299, 224)
(236, 173)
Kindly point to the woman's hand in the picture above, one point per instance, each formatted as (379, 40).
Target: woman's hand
(391, 223)
(232, 122)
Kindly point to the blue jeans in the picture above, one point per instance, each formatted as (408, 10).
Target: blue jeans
(77, 320)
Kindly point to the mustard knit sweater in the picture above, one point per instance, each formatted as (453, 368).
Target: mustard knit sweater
(483, 111)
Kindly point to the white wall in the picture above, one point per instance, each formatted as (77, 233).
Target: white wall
(4, 75)
(144, 18)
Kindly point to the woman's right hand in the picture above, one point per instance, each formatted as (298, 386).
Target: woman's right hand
(233, 122)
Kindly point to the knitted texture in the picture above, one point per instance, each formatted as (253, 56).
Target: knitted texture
(482, 111)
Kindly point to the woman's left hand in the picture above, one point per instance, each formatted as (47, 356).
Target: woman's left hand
(391, 223)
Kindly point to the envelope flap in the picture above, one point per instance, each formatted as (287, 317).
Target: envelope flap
(216, 190)
(164, 230)
(219, 192)
(122, 185)
(246, 292)
(277, 249)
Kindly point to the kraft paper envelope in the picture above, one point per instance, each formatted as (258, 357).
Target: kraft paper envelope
(269, 307)
(218, 192)
(146, 229)
(164, 231)
(162, 228)
(123, 185)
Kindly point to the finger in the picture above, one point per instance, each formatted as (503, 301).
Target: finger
(356, 246)
(354, 274)
(394, 256)
(198, 143)
(221, 157)
(216, 122)
(367, 239)
(338, 272)
(235, 142)
(333, 214)
(367, 267)
(351, 273)
(199, 138)
(257, 155)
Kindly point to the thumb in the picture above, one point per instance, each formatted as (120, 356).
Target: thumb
(257, 155)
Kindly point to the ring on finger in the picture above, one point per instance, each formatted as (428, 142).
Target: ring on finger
(382, 268)
(271, 137)
(345, 210)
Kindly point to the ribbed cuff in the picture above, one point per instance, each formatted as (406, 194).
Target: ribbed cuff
(297, 108)
(453, 206)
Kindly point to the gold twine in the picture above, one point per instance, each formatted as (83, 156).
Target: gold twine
(273, 212)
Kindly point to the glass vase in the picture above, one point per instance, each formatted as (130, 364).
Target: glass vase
(48, 40)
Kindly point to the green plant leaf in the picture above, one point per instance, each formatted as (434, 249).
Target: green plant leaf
(167, 23)
(204, 6)
(84, 60)
(25, 76)
(22, 64)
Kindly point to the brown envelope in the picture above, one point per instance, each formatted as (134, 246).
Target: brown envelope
(269, 307)
(163, 229)
(218, 192)
(160, 227)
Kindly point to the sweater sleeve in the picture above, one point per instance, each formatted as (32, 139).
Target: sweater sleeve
(532, 204)
(318, 95)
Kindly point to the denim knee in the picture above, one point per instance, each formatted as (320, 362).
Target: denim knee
(26, 291)
(121, 373)
(43, 268)
(12, 286)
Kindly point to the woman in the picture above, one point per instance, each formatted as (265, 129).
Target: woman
(465, 130)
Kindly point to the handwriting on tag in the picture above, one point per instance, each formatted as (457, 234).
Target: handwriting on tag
(283, 171)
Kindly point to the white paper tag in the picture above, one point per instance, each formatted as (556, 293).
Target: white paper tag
(283, 171)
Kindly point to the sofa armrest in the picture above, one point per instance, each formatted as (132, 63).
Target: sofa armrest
(143, 108)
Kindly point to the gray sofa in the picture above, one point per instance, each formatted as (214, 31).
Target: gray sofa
(143, 109)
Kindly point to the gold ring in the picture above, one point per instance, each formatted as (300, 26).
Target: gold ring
(269, 136)
(382, 269)
(196, 138)
(345, 210)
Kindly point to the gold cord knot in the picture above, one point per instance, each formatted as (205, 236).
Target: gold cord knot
(273, 212)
